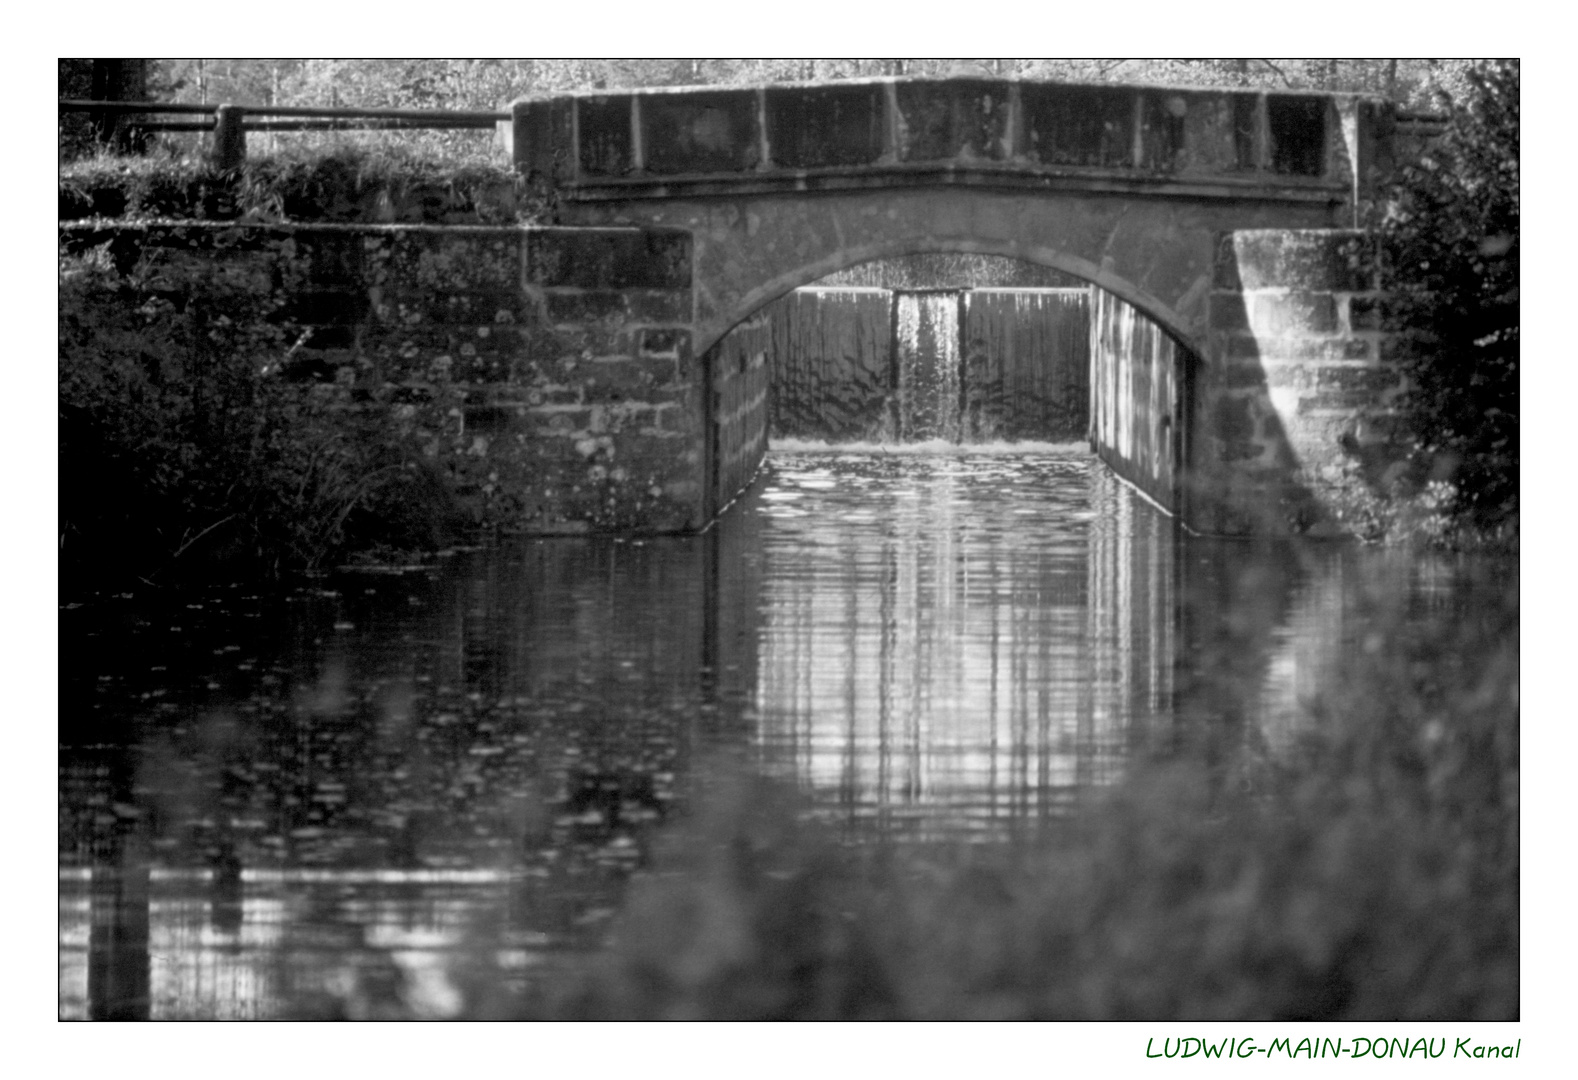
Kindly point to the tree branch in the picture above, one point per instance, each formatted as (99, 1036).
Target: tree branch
(1280, 73)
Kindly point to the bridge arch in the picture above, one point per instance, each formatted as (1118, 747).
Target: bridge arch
(1141, 405)
(896, 247)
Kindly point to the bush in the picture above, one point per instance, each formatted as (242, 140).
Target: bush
(1370, 873)
(347, 183)
(1450, 238)
(181, 447)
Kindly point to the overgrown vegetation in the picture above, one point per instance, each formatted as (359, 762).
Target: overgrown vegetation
(183, 448)
(1370, 872)
(1450, 243)
(346, 182)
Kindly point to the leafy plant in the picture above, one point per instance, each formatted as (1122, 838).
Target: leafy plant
(1450, 243)
(180, 445)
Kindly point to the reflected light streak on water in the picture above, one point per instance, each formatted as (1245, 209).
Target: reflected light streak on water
(957, 640)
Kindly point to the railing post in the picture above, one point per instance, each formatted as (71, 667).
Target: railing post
(230, 138)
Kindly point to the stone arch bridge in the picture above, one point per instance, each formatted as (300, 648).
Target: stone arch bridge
(607, 371)
(1218, 216)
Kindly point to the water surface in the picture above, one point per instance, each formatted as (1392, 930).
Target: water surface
(400, 791)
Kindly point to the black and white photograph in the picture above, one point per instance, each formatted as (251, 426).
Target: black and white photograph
(794, 539)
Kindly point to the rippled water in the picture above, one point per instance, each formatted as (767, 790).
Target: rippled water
(308, 803)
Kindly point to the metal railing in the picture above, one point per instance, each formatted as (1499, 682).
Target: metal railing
(229, 124)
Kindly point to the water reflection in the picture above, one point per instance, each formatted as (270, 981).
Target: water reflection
(420, 792)
(959, 640)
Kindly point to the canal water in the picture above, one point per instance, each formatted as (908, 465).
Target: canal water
(425, 790)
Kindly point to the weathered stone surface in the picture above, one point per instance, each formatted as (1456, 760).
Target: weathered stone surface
(607, 145)
(541, 133)
(1228, 312)
(1333, 261)
(618, 305)
(1155, 254)
(1299, 312)
(815, 127)
(960, 118)
(700, 131)
(1297, 127)
(1079, 125)
(593, 424)
(987, 132)
(609, 258)
(1283, 395)
(458, 258)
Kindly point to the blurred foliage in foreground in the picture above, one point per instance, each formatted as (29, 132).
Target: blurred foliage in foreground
(1371, 874)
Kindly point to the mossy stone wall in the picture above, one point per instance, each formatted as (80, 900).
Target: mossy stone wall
(546, 373)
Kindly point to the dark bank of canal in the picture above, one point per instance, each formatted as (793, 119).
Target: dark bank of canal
(423, 791)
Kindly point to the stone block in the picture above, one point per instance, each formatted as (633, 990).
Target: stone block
(1366, 379)
(664, 342)
(1224, 268)
(1200, 132)
(496, 420)
(1078, 125)
(816, 127)
(1228, 312)
(541, 132)
(1238, 347)
(1165, 128)
(639, 305)
(443, 258)
(605, 140)
(699, 132)
(1297, 125)
(433, 351)
(545, 344)
(1273, 349)
(1298, 313)
(1346, 401)
(334, 257)
(626, 379)
(961, 118)
(608, 258)
(453, 308)
(1336, 260)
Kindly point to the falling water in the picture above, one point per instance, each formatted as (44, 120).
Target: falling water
(927, 345)
(832, 364)
(1026, 364)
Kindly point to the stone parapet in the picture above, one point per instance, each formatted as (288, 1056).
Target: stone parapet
(663, 142)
